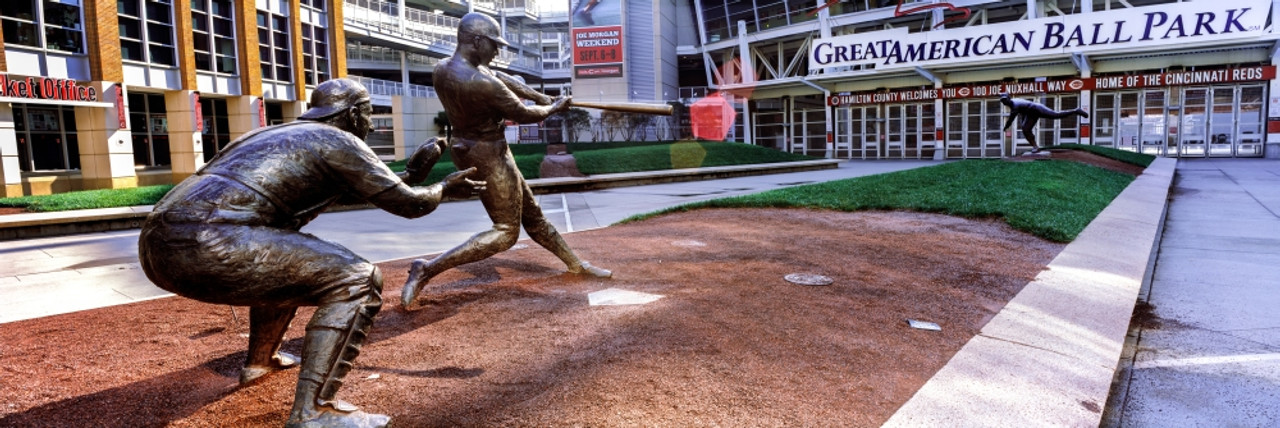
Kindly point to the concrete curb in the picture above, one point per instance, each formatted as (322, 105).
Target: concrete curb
(1049, 357)
(39, 225)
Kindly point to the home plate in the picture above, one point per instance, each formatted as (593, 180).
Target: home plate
(615, 296)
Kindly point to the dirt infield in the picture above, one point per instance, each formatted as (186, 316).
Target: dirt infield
(512, 341)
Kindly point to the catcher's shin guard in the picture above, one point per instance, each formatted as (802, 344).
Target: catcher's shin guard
(334, 337)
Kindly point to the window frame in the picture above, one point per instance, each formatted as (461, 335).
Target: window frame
(270, 45)
(146, 40)
(39, 20)
(210, 48)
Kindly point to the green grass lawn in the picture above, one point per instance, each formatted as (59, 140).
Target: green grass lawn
(1051, 199)
(604, 158)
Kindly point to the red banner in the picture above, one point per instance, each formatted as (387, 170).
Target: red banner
(262, 112)
(195, 98)
(597, 45)
(121, 114)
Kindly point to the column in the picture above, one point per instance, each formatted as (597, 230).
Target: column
(186, 146)
(10, 170)
(245, 113)
(748, 77)
(293, 109)
(106, 148)
(413, 122)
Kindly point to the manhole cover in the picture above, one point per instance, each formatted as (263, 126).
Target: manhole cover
(808, 279)
(688, 243)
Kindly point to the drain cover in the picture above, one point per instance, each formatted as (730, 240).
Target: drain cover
(688, 243)
(808, 279)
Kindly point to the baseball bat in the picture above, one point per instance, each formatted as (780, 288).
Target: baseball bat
(662, 109)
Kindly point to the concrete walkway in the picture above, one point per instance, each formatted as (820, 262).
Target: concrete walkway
(49, 276)
(1210, 354)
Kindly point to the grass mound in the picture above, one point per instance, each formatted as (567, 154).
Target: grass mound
(1052, 199)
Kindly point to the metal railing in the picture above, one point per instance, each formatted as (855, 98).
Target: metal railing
(381, 54)
(389, 88)
(439, 31)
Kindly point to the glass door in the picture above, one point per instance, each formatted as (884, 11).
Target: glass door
(1104, 120)
(895, 135)
(1222, 121)
(992, 135)
(1250, 121)
(1129, 123)
(1153, 122)
(1195, 121)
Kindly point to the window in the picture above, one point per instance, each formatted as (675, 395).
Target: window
(273, 46)
(216, 133)
(55, 25)
(46, 137)
(146, 31)
(150, 125)
(315, 44)
(214, 35)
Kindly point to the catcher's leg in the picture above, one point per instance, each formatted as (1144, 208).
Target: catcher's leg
(266, 330)
(333, 341)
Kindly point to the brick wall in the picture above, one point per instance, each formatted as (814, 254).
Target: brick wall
(295, 47)
(186, 44)
(338, 42)
(247, 34)
(103, 34)
(3, 66)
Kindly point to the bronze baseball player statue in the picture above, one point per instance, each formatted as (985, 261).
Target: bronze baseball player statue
(1030, 113)
(230, 235)
(478, 100)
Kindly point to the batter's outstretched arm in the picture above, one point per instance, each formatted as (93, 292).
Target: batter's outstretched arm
(522, 90)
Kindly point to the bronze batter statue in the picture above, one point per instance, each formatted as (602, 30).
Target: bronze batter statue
(1030, 113)
(477, 100)
(230, 235)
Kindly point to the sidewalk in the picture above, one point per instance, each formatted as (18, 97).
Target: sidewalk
(1208, 353)
(55, 275)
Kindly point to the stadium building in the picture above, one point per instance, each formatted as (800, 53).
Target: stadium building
(97, 94)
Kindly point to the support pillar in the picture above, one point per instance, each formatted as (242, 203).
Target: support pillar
(245, 113)
(10, 170)
(106, 148)
(293, 109)
(186, 144)
(413, 122)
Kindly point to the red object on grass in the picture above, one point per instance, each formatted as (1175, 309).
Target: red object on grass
(712, 117)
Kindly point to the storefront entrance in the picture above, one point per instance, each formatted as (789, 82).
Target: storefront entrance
(858, 132)
(909, 130)
(1215, 121)
(973, 129)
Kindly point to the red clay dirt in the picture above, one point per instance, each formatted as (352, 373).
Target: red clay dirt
(511, 341)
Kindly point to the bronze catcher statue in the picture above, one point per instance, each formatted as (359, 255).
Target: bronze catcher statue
(229, 234)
